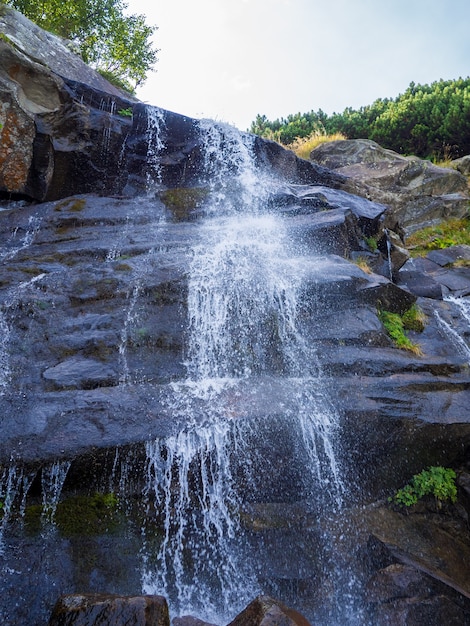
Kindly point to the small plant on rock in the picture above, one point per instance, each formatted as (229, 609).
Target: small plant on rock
(363, 263)
(396, 329)
(372, 243)
(435, 481)
(125, 112)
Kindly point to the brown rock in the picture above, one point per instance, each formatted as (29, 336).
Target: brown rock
(266, 611)
(89, 609)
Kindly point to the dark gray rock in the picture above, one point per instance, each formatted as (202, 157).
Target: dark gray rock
(188, 620)
(421, 541)
(81, 373)
(435, 275)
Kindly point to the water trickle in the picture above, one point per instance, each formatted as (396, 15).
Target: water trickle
(11, 301)
(155, 144)
(16, 243)
(5, 371)
(14, 485)
(131, 316)
(52, 481)
(461, 306)
(389, 254)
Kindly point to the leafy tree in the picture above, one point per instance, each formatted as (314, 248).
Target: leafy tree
(116, 44)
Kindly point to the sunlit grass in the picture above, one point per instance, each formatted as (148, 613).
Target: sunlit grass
(453, 232)
(304, 146)
(363, 264)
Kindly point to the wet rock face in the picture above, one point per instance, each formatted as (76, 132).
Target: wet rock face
(422, 566)
(94, 314)
(94, 319)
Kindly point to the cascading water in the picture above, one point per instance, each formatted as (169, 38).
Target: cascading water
(244, 341)
(461, 307)
(52, 480)
(155, 124)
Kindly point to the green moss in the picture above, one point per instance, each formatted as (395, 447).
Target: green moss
(5, 38)
(122, 267)
(182, 200)
(395, 327)
(372, 243)
(80, 515)
(31, 270)
(414, 319)
(125, 112)
(71, 204)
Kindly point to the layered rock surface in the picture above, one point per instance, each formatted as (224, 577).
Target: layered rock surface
(417, 191)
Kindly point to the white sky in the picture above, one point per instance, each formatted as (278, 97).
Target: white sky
(232, 59)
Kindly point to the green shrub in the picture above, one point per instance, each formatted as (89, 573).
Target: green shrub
(435, 481)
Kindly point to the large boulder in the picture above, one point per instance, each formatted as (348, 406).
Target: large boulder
(462, 165)
(418, 192)
(423, 572)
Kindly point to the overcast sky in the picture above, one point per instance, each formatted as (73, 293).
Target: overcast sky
(232, 59)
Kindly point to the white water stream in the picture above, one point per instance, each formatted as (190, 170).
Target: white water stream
(244, 284)
(461, 306)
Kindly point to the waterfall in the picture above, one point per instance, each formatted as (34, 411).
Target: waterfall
(155, 144)
(52, 481)
(244, 341)
(461, 307)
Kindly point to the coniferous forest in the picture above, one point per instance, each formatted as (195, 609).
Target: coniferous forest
(429, 121)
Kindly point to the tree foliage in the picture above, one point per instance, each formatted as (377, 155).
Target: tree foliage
(429, 121)
(116, 44)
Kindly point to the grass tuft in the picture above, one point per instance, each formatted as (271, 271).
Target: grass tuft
(304, 146)
(396, 329)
